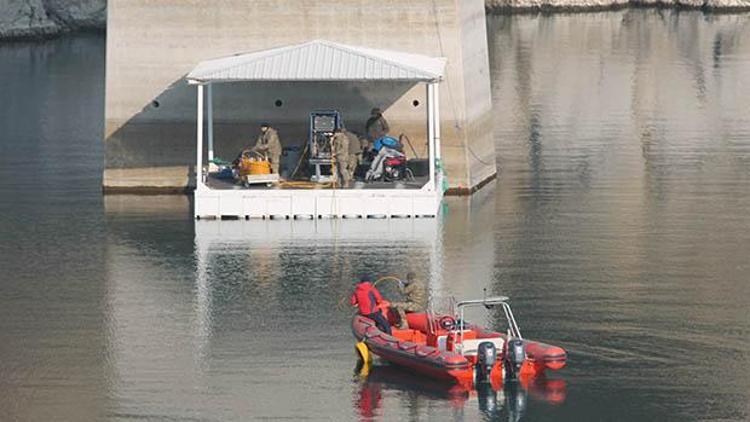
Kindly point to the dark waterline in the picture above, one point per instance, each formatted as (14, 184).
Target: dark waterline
(618, 225)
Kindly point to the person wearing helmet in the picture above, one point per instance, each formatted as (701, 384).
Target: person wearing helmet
(369, 301)
(415, 298)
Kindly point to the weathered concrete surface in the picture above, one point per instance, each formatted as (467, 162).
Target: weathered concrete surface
(44, 18)
(150, 110)
(513, 6)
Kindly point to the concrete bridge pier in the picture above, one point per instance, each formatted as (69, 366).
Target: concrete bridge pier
(150, 109)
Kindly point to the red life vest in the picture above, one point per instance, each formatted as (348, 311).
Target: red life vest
(367, 297)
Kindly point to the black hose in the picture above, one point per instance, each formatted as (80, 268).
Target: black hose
(408, 141)
(301, 159)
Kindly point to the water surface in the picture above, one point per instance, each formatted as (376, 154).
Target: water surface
(618, 225)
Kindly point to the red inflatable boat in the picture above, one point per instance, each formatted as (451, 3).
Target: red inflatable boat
(449, 348)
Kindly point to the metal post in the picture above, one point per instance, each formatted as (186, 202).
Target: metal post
(199, 136)
(436, 111)
(431, 132)
(210, 116)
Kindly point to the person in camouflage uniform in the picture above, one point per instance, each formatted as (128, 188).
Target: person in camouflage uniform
(415, 298)
(356, 147)
(269, 145)
(340, 149)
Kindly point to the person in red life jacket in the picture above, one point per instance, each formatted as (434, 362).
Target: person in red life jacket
(369, 301)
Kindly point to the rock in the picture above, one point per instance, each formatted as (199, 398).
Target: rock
(25, 18)
(78, 14)
(728, 4)
(690, 3)
(45, 18)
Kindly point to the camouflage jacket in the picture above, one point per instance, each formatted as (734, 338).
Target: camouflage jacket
(268, 143)
(415, 293)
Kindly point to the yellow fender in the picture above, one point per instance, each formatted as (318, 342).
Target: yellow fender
(363, 352)
(364, 370)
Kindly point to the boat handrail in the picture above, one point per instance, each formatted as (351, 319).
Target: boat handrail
(488, 301)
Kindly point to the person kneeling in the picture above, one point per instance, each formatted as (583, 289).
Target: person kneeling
(415, 299)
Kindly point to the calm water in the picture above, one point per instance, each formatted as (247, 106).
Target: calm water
(619, 226)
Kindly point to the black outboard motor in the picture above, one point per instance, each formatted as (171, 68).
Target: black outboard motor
(515, 355)
(486, 359)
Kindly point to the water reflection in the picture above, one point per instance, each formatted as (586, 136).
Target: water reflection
(617, 208)
(373, 385)
(334, 251)
(264, 297)
(53, 360)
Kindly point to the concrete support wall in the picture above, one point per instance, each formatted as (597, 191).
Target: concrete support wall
(152, 44)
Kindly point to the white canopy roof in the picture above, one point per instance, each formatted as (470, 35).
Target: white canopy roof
(320, 60)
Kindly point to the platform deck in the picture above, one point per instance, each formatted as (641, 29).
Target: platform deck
(227, 184)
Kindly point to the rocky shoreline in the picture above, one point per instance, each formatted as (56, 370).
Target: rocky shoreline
(30, 19)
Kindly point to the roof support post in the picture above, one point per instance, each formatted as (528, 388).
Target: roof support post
(436, 112)
(431, 132)
(199, 139)
(210, 116)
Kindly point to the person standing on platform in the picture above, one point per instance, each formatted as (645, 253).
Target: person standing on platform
(356, 148)
(268, 144)
(340, 148)
(376, 126)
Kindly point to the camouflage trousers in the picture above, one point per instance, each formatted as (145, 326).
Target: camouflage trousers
(351, 165)
(403, 307)
(341, 173)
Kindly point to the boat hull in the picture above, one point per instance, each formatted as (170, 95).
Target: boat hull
(417, 357)
(412, 350)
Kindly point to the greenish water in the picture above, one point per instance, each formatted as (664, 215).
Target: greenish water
(619, 226)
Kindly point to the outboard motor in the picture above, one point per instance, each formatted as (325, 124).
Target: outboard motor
(486, 359)
(515, 355)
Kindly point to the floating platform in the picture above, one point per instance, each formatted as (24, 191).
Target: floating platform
(318, 61)
(422, 234)
(269, 203)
